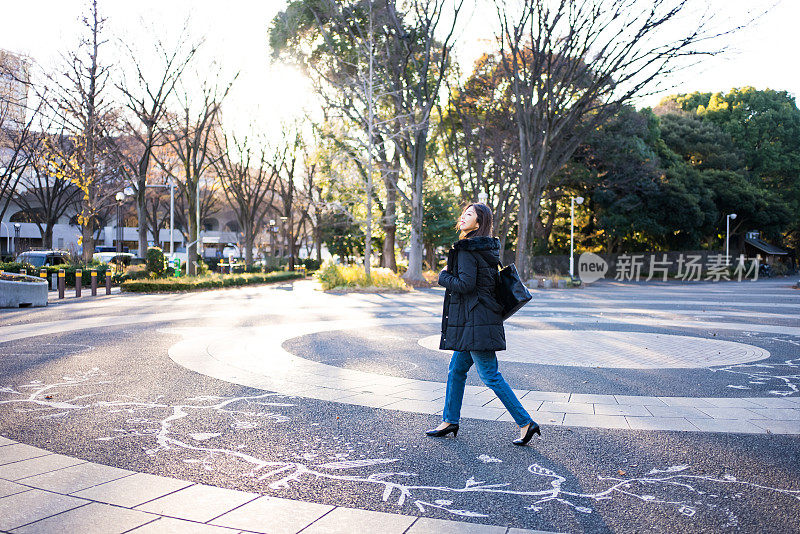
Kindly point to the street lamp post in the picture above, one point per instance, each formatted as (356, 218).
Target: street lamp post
(17, 227)
(272, 231)
(120, 197)
(572, 202)
(728, 220)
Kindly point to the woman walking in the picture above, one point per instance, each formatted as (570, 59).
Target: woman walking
(472, 324)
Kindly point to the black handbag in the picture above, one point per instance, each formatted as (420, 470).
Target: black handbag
(511, 293)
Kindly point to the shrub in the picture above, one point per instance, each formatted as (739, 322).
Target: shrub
(132, 272)
(312, 264)
(156, 262)
(193, 283)
(333, 276)
(69, 271)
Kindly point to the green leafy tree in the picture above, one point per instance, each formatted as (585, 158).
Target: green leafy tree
(342, 235)
(765, 126)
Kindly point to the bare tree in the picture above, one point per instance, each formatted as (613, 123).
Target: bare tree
(573, 63)
(146, 94)
(248, 182)
(44, 196)
(17, 140)
(285, 165)
(480, 140)
(416, 66)
(82, 107)
(189, 136)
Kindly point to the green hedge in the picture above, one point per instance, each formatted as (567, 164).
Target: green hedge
(69, 272)
(206, 282)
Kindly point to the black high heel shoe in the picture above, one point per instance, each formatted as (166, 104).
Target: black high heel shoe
(533, 428)
(452, 427)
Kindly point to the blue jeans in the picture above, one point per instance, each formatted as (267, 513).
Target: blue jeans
(486, 364)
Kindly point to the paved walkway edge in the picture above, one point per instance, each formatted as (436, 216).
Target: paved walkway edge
(41, 491)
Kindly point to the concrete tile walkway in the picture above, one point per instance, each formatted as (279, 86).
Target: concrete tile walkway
(43, 493)
(228, 357)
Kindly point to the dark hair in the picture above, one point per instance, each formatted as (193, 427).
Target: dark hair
(484, 214)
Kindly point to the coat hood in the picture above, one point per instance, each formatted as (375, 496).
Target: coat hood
(478, 243)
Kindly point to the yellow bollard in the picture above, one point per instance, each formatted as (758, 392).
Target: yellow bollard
(78, 282)
(61, 283)
(93, 274)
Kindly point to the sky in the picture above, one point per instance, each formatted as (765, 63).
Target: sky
(763, 55)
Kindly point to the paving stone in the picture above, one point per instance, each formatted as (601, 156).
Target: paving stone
(567, 407)
(169, 525)
(75, 478)
(660, 423)
(776, 403)
(425, 385)
(778, 427)
(481, 400)
(37, 466)
(547, 396)
(133, 490)
(645, 401)
(370, 400)
(273, 515)
(16, 452)
(676, 411)
(592, 398)
(729, 425)
(591, 420)
(731, 403)
(23, 508)
(729, 413)
(532, 406)
(6, 441)
(416, 406)
(198, 503)
(543, 418)
(782, 414)
(94, 518)
(425, 525)
(528, 405)
(685, 401)
(621, 409)
(548, 418)
(481, 412)
(349, 520)
(420, 395)
(328, 394)
(10, 488)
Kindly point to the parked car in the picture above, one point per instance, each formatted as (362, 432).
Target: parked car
(44, 258)
(121, 258)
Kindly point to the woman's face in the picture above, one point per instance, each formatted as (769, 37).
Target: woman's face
(468, 220)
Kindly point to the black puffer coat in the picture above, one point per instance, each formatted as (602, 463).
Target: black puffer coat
(471, 318)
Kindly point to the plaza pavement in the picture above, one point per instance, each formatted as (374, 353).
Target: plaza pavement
(49, 492)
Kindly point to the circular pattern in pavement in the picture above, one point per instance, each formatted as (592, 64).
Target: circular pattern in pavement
(620, 350)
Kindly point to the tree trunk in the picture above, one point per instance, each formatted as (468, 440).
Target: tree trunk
(249, 238)
(414, 272)
(389, 225)
(87, 241)
(192, 256)
(141, 213)
(48, 235)
(389, 260)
